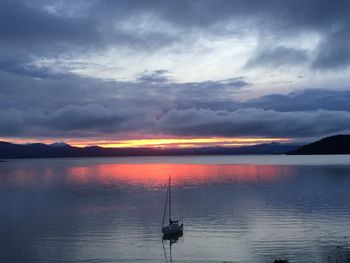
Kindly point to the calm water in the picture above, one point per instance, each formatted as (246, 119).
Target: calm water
(235, 208)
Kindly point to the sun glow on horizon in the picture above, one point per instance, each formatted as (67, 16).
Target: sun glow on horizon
(188, 142)
(162, 142)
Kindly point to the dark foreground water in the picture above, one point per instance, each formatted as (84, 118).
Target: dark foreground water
(237, 209)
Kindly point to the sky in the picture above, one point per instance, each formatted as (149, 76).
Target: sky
(178, 73)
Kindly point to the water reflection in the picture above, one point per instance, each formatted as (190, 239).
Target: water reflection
(146, 175)
(156, 175)
(99, 211)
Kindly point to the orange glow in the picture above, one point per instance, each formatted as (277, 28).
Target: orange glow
(156, 175)
(184, 142)
(160, 142)
(148, 175)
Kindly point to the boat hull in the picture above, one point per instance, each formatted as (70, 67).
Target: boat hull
(172, 230)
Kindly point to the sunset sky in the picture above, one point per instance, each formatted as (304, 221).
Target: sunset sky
(174, 73)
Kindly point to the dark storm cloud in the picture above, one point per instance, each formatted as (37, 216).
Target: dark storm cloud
(28, 30)
(255, 122)
(75, 27)
(205, 13)
(32, 26)
(26, 26)
(333, 51)
(300, 101)
(272, 18)
(206, 90)
(38, 101)
(21, 66)
(306, 100)
(77, 107)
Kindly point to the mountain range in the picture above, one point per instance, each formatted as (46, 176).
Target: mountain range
(39, 150)
(338, 144)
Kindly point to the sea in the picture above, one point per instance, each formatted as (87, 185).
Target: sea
(234, 209)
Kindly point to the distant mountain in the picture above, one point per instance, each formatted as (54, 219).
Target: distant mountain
(60, 144)
(39, 150)
(338, 144)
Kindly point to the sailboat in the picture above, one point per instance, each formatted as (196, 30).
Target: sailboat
(174, 229)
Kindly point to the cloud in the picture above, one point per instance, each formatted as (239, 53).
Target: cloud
(76, 107)
(277, 56)
(333, 52)
(201, 39)
(96, 121)
(51, 28)
(237, 82)
(157, 76)
(305, 100)
(255, 122)
(31, 27)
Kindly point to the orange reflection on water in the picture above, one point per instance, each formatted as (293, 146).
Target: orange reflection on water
(156, 175)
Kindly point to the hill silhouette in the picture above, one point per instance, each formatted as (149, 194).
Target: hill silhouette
(39, 150)
(337, 144)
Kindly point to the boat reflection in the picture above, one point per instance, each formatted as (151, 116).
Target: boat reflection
(171, 241)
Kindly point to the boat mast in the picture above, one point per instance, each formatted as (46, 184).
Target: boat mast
(166, 202)
(170, 198)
